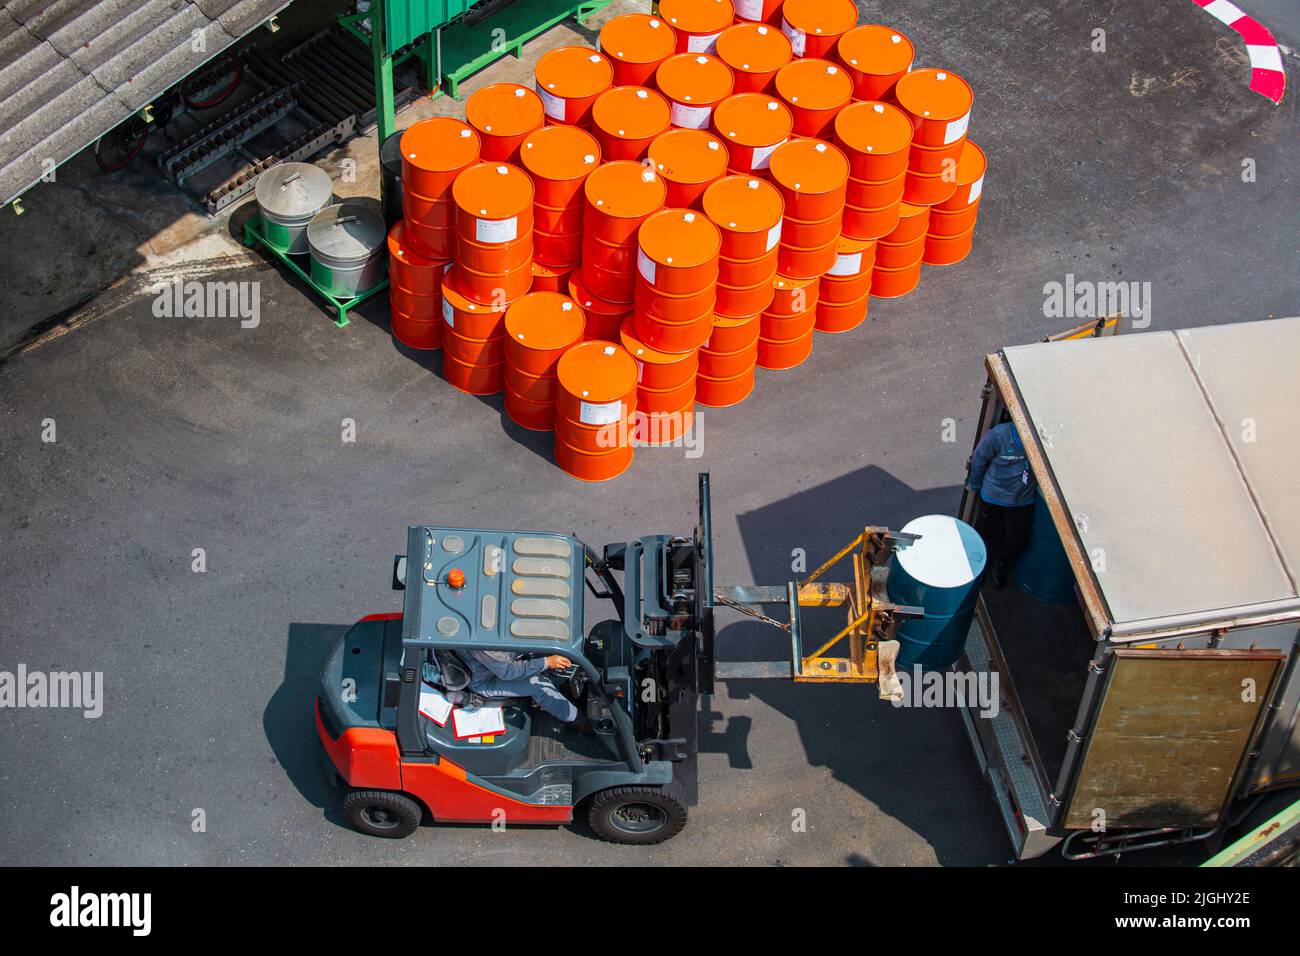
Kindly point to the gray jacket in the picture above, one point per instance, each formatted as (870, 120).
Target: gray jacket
(999, 470)
(485, 666)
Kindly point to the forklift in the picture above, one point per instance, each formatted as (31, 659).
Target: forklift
(383, 714)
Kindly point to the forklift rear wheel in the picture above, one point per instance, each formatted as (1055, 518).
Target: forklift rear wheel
(636, 815)
(382, 813)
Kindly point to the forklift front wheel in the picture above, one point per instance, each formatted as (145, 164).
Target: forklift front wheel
(637, 815)
(382, 813)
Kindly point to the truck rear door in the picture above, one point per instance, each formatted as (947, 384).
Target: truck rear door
(1171, 737)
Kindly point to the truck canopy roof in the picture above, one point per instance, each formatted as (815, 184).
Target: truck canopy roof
(1176, 456)
(521, 590)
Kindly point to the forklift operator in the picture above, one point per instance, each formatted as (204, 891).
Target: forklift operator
(1000, 473)
(502, 674)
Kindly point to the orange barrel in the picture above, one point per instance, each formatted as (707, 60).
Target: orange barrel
(815, 26)
(939, 104)
(619, 196)
(473, 342)
(546, 279)
(876, 57)
(635, 44)
(754, 51)
(569, 79)
(698, 22)
(752, 125)
(694, 83)
(593, 408)
(785, 336)
(815, 90)
(504, 114)
(539, 328)
(434, 152)
(559, 159)
(898, 255)
(758, 11)
(626, 119)
(845, 292)
(956, 215)
(665, 390)
(948, 250)
(494, 232)
(876, 139)
(813, 178)
(604, 319)
(677, 278)
(690, 161)
(748, 212)
(727, 362)
(414, 293)
(892, 283)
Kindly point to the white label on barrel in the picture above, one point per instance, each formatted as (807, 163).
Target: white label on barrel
(798, 39)
(646, 265)
(976, 188)
(956, 130)
(847, 264)
(773, 237)
(554, 105)
(763, 155)
(703, 44)
(691, 117)
(593, 413)
(496, 230)
(448, 313)
(749, 9)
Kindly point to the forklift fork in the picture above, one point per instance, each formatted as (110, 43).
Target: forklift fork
(872, 620)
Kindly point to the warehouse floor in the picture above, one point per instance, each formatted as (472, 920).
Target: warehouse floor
(177, 434)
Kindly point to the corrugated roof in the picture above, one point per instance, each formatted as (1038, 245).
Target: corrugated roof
(71, 70)
(1176, 458)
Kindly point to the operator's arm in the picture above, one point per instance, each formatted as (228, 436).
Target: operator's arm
(507, 666)
(984, 453)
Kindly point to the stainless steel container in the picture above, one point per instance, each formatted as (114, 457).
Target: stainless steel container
(348, 248)
(288, 196)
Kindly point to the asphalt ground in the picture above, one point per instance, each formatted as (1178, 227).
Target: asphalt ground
(177, 434)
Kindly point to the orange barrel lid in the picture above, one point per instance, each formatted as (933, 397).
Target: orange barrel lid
(625, 190)
(637, 38)
(679, 239)
(400, 250)
(504, 109)
(631, 113)
(912, 220)
(810, 167)
(597, 372)
(560, 153)
(652, 356)
(754, 48)
(878, 129)
(972, 164)
(702, 20)
(493, 191)
(876, 49)
(756, 121)
(814, 85)
(476, 320)
(853, 255)
(544, 321)
(746, 204)
(694, 82)
(440, 144)
(804, 21)
(570, 73)
(688, 156)
(937, 95)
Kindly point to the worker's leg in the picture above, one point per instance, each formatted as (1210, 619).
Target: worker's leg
(992, 526)
(539, 688)
(1018, 521)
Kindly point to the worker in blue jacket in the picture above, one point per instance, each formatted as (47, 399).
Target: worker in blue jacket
(503, 674)
(1000, 474)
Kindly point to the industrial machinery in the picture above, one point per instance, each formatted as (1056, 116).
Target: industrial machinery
(636, 675)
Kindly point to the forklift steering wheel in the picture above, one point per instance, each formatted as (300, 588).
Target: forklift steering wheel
(574, 680)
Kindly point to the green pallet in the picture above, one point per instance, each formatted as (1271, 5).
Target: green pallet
(253, 237)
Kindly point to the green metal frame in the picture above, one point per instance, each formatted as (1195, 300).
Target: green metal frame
(434, 30)
(253, 237)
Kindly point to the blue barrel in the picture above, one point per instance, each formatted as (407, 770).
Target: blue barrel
(1042, 570)
(941, 573)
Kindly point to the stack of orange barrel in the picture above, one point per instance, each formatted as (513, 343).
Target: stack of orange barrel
(657, 218)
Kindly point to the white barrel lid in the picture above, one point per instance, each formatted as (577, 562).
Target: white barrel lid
(949, 554)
